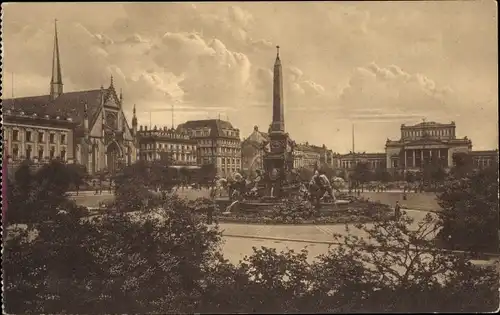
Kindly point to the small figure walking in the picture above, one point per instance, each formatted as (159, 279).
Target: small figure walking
(397, 211)
(210, 214)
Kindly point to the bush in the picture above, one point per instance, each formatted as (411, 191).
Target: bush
(143, 263)
(470, 217)
(392, 269)
(36, 196)
(166, 260)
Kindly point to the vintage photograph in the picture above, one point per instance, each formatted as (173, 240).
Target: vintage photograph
(250, 157)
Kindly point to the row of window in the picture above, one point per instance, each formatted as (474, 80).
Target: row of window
(206, 151)
(16, 136)
(432, 132)
(169, 146)
(177, 157)
(228, 161)
(228, 142)
(29, 154)
(482, 162)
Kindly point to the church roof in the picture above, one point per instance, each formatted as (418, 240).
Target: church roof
(70, 104)
(216, 126)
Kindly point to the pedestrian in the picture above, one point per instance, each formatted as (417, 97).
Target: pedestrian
(94, 183)
(210, 213)
(397, 211)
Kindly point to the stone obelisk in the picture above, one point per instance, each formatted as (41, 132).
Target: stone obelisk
(279, 160)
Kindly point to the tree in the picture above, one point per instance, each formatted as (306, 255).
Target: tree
(136, 184)
(327, 170)
(208, 172)
(470, 205)
(462, 165)
(341, 173)
(381, 174)
(391, 269)
(362, 173)
(168, 261)
(77, 173)
(146, 263)
(36, 196)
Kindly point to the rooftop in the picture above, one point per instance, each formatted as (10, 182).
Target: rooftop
(216, 127)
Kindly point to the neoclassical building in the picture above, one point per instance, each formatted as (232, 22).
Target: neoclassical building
(98, 137)
(428, 141)
(36, 138)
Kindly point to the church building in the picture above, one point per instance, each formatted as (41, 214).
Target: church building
(100, 136)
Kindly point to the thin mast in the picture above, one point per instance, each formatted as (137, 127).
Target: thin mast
(353, 152)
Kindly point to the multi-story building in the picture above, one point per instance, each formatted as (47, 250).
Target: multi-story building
(349, 161)
(305, 155)
(253, 149)
(101, 138)
(37, 138)
(167, 145)
(483, 159)
(218, 143)
(423, 142)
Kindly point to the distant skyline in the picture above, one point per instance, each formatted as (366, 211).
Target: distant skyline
(376, 65)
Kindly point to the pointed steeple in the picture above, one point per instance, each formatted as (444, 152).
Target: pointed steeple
(56, 85)
(134, 117)
(86, 119)
(278, 124)
(134, 122)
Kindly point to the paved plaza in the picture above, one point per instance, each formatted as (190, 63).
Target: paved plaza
(240, 238)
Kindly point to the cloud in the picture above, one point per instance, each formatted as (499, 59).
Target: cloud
(218, 57)
(395, 94)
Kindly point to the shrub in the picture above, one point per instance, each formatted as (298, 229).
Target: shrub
(470, 216)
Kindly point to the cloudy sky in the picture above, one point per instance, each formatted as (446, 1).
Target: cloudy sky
(375, 65)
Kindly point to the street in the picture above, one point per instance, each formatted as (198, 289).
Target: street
(240, 238)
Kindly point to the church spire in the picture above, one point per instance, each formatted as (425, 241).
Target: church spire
(56, 85)
(278, 124)
(134, 122)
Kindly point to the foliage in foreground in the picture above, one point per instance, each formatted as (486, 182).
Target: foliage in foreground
(167, 260)
(470, 215)
(38, 195)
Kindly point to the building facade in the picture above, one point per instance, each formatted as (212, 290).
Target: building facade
(37, 138)
(253, 149)
(101, 140)
(167, 145)
(218, 143)
(305, 155)
(484, 159)
(423, 142)
(349, 161)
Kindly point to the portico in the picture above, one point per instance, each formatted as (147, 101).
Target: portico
(417, 156)
(424, 143)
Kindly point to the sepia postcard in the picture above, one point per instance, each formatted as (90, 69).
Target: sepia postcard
(250, 157)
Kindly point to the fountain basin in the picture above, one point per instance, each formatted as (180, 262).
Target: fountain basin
(267, 205)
